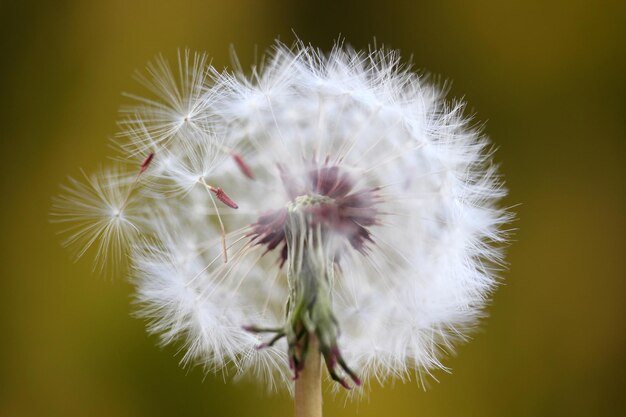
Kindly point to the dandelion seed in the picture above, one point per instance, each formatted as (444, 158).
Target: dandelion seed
(177, 107)
(98, 212)
(245, 169)
(146, 163)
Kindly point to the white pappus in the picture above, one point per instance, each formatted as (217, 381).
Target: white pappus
(337, 196)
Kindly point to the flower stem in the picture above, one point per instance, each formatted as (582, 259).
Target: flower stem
(309, 383)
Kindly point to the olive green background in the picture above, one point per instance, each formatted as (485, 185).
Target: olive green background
(547, 76)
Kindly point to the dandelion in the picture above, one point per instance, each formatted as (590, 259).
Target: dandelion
(328, 207)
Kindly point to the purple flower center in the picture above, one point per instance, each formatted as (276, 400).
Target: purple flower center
(334, 202)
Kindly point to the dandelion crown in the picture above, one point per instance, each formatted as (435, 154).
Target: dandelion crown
(327, 204)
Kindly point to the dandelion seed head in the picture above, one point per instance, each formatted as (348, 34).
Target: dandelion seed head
(346, 168)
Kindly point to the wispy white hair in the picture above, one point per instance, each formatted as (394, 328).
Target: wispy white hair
(404, 300)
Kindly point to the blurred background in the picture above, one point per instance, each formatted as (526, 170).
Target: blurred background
(546, 76)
